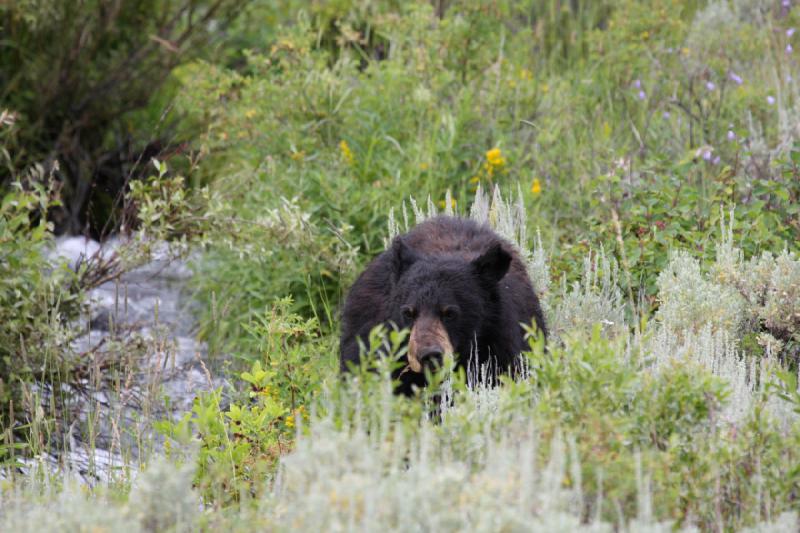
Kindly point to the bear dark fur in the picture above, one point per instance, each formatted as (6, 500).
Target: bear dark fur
(448, 274)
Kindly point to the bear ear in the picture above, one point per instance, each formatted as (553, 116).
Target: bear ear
(402, 258)
(492, 265)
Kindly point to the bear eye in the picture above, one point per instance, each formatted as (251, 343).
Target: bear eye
(450, 312)
(408, 312)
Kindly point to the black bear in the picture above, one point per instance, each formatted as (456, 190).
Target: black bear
(458, 286)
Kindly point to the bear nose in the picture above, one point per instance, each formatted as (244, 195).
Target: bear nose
(431, 356)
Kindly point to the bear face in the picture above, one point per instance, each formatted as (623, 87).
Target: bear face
(458, 287)
(443, 301)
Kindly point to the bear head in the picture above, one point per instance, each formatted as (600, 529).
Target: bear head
(445, 300)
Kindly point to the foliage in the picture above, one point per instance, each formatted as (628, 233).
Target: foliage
(33, 301)
(628, 135)
(78, 76)
(743, 299)
(237, 278)
(590, 439)
(42, 300)
(667, 397)
(239, 445)
(162, 499)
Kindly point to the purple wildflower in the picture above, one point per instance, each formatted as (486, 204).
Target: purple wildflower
(707, 155)
(666, 114)
(790, 32)
(637, 84)
(642, 95)
(770, 100)
(736, 78)
(789, 48)
(710, 85)
(731, 135)
(715, 161)
(786, 3)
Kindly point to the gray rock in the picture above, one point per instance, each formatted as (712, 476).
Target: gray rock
(143, 324)
(72, 250)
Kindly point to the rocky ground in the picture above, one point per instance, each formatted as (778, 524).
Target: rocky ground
(144, 362)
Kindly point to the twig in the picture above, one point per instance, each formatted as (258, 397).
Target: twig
(623, 257)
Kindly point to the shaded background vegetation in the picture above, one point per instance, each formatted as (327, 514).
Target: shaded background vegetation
(86, 82)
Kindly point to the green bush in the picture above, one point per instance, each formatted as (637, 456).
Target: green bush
(35, 303)
(80, 77)
(241, 444)
(42, 300)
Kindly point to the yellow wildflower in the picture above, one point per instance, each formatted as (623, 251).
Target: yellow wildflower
(494, 156)
(475, 179)
(423, 166)
(298, 156)
(290, 421)
(545, 88)
(525, 74)
(250, 113)
(495, 162)
(347, 153)
(536, 187)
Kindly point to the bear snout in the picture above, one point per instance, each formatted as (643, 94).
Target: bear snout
(431, 355)
(428, 345)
